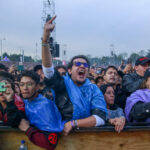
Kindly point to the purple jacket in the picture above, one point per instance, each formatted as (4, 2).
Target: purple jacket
(142, 95)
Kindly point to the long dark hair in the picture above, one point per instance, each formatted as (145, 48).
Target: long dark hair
(104, 87)
(143, 85)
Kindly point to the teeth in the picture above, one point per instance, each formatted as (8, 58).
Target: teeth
(81, 72)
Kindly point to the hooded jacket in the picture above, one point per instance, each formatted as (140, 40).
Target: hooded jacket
(138, 106)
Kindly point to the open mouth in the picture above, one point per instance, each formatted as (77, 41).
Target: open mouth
(81, 73)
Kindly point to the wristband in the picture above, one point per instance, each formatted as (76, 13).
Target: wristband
(76, 123)
(44, 41)
(45, 45)
(72, 123)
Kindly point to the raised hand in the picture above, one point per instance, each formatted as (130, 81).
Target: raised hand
(48, 27)
(12, 69)
(9, 93)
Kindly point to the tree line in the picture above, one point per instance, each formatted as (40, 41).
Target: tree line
(113, 59)
(116, 60)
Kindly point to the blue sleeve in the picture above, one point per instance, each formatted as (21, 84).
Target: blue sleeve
(115, 113)
(120, 112)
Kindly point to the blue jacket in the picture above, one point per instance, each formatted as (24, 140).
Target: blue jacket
(43, 114)
(84, 98)
(76, 102)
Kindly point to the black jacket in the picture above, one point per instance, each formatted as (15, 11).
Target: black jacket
(11, 115)
(130, 83)
(140, 112)
(61, 97)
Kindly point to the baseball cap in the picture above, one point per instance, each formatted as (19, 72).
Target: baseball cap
(141, 61)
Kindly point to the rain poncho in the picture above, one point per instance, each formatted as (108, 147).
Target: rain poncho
(85, 98)
(43, 114)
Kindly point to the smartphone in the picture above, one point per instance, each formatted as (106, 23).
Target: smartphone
(2, 88)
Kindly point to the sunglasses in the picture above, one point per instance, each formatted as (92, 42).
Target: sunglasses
(78, 64)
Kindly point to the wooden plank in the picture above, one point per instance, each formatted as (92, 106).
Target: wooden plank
(10, 140)
(84, 140)
(135, 140)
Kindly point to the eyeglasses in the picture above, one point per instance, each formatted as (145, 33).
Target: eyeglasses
(78, 64)
(28, 84)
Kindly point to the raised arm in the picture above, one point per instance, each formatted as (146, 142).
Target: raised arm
(46, 54)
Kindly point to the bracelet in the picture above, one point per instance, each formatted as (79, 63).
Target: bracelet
(44, 41)
(45, 45)
(76, 123)
(72, 123)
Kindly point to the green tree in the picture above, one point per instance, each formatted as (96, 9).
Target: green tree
(148, 53)
(28, 59)
(5, 55)
(14, 57)
(134, 56)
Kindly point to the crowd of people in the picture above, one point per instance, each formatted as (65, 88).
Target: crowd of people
(49, 101)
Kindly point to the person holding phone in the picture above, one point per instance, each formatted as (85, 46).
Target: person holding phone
(13, 70)
(11, 105)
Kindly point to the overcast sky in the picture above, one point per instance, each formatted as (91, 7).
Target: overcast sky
(85, 26)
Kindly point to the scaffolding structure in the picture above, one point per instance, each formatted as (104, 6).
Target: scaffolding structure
(36, 52)
(47, 14)
(64, 52)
